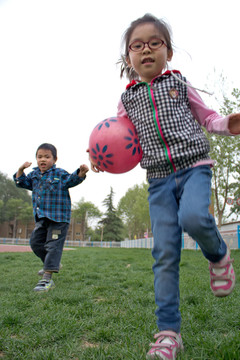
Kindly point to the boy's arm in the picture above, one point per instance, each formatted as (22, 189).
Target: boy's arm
(74, 179)
(83, 169)
(22, 168)
(21, 180)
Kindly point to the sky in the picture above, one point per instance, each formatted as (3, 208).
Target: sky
(59, 78)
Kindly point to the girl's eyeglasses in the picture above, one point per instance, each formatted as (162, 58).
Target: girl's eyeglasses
(153, 44)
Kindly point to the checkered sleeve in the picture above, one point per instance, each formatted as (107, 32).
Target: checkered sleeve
(23, 181)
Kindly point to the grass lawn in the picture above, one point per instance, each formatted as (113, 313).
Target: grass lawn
(103, 307)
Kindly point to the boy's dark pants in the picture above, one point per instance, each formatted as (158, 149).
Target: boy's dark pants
(47, 241)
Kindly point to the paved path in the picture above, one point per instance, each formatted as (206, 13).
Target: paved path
(14, 248)
(19, 248)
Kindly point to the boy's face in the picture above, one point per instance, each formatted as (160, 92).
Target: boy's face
(45, 160)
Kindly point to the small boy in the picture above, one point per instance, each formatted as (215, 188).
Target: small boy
(51, 208)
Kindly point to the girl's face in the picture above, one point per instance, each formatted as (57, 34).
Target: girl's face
(148, 63)
(45, 160)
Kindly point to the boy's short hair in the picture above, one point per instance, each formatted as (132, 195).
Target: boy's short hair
(50, 147)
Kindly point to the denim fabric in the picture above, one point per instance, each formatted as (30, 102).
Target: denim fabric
(179, 202)
(47, 241)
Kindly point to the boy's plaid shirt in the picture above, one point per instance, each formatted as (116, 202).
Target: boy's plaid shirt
(50, 195)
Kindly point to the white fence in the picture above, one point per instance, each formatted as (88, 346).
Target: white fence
(231, 237)
(138, 243)
(71, 243)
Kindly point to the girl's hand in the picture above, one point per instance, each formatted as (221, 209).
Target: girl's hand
(234, 124)
(83, 170)
(94, 167)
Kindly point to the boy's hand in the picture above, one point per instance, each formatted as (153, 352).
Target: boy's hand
(83, 170)
(21, 169)
(25, 165)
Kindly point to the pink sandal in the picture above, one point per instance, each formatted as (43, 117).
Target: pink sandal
(222, 276)
(166, 347)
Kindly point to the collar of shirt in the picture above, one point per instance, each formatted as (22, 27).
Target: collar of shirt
(38, 170)
(168, 72)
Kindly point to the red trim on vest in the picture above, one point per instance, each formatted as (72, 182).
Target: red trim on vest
(168, 72)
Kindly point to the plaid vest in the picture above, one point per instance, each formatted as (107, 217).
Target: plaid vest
(170, 137)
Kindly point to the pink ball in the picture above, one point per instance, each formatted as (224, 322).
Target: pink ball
(114, 145)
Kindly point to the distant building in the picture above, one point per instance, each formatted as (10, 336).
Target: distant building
(24, 230)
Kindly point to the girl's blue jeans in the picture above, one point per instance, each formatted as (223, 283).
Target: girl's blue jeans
(177, 203)
(47, 241)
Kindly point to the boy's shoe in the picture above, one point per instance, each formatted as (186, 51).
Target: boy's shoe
(222, 276)
(44, 285)
(41, 272)
(167, 346)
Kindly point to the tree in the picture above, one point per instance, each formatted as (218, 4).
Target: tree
(134, 209)
(17, 209)
(226, 151)
(8, 191)
(1, 211)
(95, 234)
(26, 216)
(112, 225)
(83, 212)
(234, 188)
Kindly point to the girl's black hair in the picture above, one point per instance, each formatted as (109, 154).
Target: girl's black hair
(50, 147)
(160, 25)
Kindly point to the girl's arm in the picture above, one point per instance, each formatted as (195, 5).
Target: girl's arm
(121, 110)
(210, 119)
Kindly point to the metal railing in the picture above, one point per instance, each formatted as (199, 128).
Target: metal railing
(231, 237)
(68, 243)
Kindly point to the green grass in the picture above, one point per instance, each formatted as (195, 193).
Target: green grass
(103, 308)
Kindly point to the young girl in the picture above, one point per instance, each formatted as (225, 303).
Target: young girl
(168, 114)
